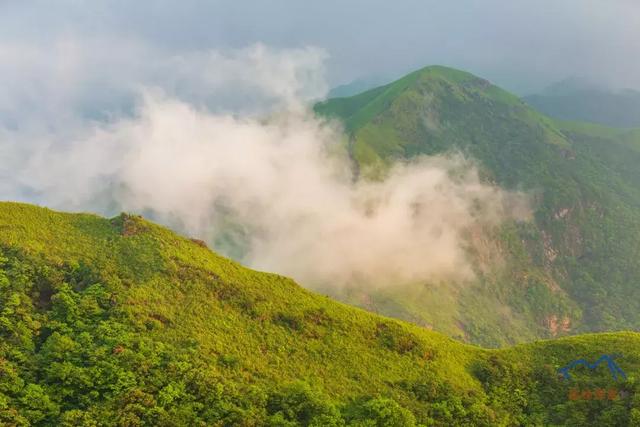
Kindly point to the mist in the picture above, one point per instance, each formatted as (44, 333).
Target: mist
(223, 146)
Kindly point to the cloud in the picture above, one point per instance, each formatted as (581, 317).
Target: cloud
(70, 79)
(269, 185)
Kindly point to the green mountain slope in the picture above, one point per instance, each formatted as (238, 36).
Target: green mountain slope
(574, 268)
(122, 322)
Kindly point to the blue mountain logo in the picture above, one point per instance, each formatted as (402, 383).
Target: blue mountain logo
(614, 369)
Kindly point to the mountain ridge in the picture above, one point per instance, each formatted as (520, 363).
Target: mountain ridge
(560, 266)
(583, 101)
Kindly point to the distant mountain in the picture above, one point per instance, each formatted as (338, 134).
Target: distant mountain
(354, 87)
(120, 322)
(575, 100)
(573, 269)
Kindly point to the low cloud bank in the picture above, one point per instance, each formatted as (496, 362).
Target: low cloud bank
(221, 145)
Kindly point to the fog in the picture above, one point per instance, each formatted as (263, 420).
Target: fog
(222, 145)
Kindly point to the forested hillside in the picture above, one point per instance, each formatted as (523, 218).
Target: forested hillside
(121, 322)
(572, 269)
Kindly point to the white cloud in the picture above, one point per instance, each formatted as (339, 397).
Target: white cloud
(278, 185)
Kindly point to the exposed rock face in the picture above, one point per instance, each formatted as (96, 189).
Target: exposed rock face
(561, 213)
(549, 251)
(556, 325)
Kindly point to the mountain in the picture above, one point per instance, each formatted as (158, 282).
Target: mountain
(572, 269)
(121, 322)
(579, 101)
(356, 86)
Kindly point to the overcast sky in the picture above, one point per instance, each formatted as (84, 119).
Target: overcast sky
(521, 45)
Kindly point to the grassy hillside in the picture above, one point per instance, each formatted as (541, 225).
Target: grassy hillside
(574, 268)
(121, 322)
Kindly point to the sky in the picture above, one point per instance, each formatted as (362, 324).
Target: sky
(520, 45)
(196, 114)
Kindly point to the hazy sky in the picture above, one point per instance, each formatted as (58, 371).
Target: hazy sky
(521, 45)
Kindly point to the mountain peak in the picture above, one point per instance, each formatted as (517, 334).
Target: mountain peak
(434, 81)
(449, 73)
(436, 97)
